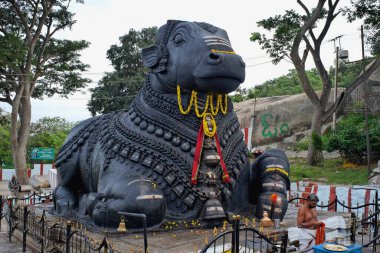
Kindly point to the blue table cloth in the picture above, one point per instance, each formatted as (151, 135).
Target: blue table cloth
(355, 248)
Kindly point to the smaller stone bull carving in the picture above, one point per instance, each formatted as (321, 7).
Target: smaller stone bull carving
(177, 153)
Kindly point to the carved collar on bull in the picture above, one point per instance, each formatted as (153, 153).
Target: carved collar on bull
(208, 144)
(209, 77)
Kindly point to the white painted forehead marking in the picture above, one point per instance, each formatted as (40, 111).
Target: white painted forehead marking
(152, 196)
(215, 40)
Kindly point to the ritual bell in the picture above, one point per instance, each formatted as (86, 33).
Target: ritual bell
(122, 227)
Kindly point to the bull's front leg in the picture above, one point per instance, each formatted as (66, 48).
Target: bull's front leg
(135, 194)
(272, 175)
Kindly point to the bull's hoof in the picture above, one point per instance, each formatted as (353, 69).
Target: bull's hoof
(65, 201)
(142, 196)
(274, 203)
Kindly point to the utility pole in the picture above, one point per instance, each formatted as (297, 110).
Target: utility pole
(366, 107)
(337, 48)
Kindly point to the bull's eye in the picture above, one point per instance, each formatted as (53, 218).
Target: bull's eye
(178, 38)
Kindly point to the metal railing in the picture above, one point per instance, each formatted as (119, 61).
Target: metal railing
(367, 226)
(244, 239)
(51, 236)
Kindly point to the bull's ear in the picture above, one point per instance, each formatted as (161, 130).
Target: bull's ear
(151, 56)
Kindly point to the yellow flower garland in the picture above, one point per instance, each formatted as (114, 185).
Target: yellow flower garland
(200, 115)
(209, 103)
(205, 125)
(180, 102)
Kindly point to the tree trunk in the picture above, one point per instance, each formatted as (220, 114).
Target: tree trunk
(20, 132)
(314, 156)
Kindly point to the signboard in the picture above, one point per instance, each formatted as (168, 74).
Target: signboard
(42, 154)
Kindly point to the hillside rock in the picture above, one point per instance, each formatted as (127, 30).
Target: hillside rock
(277, 119)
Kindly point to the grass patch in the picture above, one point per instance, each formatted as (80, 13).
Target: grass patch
(332, 172)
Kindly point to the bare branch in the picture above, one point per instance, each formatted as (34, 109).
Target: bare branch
(35, 12)
(304, 7)
(305, 54)
(297, 61)
(358, 81)
(23, 19)
(330, 17)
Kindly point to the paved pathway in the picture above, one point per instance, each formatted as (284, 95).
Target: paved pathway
(9, 247)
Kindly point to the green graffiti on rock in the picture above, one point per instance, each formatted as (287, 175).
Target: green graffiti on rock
(267, 133)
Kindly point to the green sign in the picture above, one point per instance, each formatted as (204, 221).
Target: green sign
(42, 154)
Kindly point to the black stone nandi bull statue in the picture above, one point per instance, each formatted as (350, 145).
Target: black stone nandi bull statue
(178, 152)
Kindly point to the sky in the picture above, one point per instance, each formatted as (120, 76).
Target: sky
(102, 22)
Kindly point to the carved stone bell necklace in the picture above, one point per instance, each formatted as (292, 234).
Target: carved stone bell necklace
(207, 127)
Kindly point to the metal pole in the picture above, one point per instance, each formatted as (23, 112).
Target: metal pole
(376, 220)
(145, 235)
(284, 242)
(233, 243)
(353, 226)
(10, 220)
(68, 232)
(368, 143)
(335, 85)
(25, 229)
(237, 231)
(42, 231)
(143, 217)
(1, 209)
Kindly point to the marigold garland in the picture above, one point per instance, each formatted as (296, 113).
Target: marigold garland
(214, 113)
(180, 102)
(200, 115)
(223, 110)
(209, 103)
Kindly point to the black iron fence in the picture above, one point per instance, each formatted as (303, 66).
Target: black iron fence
(245, 239)
(20, 214)
(50, 236)
(68, 237)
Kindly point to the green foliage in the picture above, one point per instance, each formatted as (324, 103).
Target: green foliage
(317, 141)
(302, 145)
(5, 147)
(332, 171)
(12, 49)
(288, 84)
(239, 95)
(49, 133)
(116, 90)
(54, 66)
(51, 125)
(284, 28)
(5, 144)
(349, 137)
(369, 11)
(62, 73)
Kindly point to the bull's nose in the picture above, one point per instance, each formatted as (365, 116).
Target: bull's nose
(214, 58)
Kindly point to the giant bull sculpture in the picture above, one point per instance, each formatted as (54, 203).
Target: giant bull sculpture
(177, 153)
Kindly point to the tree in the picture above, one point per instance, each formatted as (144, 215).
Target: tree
(369, 11)
(239, 95)
(49, 133)
(289, 32)
(35, 64)
(117, 89)
(51, 125)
